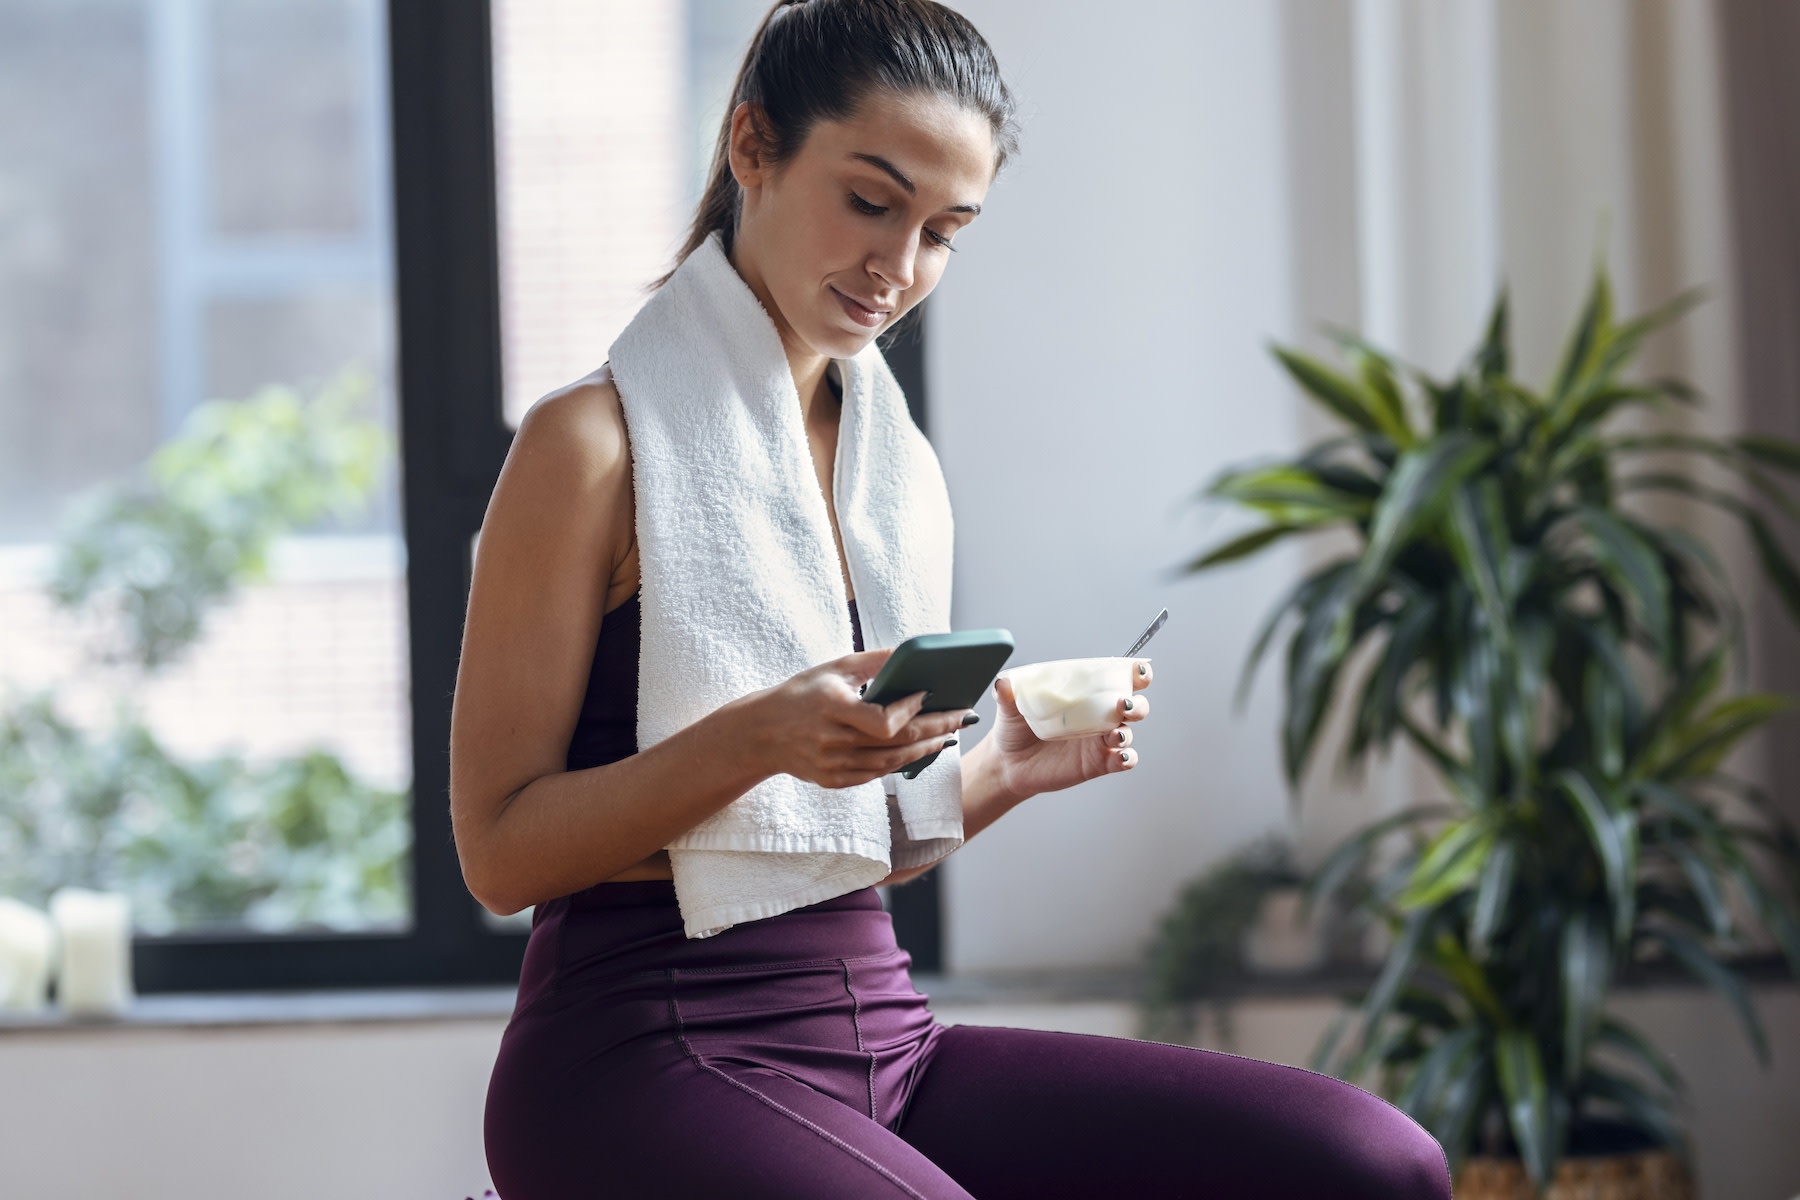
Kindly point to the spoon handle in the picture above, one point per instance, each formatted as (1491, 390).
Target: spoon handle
(1144, 638)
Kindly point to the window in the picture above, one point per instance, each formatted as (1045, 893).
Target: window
(277, 280)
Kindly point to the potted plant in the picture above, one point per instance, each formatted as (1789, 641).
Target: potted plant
(1204, 946)
(1561, 660)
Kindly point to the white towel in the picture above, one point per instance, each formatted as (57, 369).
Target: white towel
(741, 586)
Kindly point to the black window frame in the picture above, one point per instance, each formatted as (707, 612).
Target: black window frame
(453, 440)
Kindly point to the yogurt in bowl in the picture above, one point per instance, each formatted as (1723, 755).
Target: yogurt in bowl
(1072, 697)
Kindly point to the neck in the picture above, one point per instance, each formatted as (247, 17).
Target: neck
(806, 364)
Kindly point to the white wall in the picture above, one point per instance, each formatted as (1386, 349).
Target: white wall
(1096, 354)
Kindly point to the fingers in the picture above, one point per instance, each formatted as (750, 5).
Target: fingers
(884, 760)
(1120, 756)
(901, 723)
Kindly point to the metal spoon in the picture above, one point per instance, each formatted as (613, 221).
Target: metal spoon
(1144, 638)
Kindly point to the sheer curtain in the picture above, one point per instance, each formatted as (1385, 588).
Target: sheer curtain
(1439, 151)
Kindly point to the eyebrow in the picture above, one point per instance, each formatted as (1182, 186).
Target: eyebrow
(875, 160)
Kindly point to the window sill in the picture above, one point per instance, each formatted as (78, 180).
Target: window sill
(224, 1010)
(377, 1006)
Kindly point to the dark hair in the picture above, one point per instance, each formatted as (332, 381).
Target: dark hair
(817, 60)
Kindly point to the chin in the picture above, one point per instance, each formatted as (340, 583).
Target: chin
(845, 343)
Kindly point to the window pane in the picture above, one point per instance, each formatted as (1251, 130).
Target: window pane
(203, 645)
(605, 113)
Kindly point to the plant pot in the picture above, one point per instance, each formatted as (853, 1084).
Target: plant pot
(1639, 1175)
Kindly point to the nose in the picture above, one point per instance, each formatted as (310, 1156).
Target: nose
(894, 261)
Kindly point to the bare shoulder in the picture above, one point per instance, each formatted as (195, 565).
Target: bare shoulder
(582, 425)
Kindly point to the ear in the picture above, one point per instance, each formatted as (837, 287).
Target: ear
(746, 147)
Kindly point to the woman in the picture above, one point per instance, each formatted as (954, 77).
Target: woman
(790, 1056)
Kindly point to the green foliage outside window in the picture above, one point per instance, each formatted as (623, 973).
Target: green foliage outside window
(294, 841)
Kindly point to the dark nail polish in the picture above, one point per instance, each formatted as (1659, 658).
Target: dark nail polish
(949, 742)
(970, 719)
(1128, 702)
(1143, 668)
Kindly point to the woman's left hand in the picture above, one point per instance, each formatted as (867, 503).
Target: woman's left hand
(1029, 765)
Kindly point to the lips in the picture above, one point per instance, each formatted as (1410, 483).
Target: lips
(863, 312)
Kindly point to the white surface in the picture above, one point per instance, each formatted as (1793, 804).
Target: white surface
(1104, 323)
(387, 1110)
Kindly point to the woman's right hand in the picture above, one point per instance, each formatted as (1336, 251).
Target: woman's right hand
(816, 726)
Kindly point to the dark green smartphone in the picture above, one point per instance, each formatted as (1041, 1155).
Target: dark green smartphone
(954, 669)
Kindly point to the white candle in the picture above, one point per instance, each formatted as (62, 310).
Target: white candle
(26, 941)
(95, 931)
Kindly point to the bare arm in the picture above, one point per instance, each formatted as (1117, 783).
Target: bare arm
(554, 543)
(554, 540)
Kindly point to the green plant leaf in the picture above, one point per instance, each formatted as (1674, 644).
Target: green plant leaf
(1776, 565)
(1522, 1084)
(1478, 539)
(1699, 748)
(1614, 839)
(1605, 704)
(1378, 381)
(1377, 713)
(1449, 864)
(1648, 1112)
(1707, 888)
(1420, 488)
(1331, 875)
(1344, 397)
(1448, 1058)
(1470, 979)
(1656, 795)
(1492, 359)
(1315, 655)
(1587, 342)
(1628, 337)
(1672, 717)
(1587, 970)
(1780, 453)
(1777, 911)
(1700, 963)
(1302, 596)
(1395, 972)
(1615, 1033)
(1288, 494)
(1633, 566)
(1492, 891)
(1241, 547)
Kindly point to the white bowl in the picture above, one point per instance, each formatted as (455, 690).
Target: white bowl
(1072, 697)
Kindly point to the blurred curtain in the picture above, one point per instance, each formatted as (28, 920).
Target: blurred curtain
(1436, 151)
(1759, 44)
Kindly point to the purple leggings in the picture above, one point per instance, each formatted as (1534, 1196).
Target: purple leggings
(792, 1058)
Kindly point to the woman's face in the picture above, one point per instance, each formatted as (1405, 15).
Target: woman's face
(840, 241)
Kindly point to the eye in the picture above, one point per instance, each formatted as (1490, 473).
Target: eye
(875, 210)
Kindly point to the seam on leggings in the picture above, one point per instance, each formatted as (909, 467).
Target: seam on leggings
(688, 1049)
(856, 1023)
(1307, 1071)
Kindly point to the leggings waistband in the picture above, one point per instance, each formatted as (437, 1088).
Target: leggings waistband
(597, 937)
